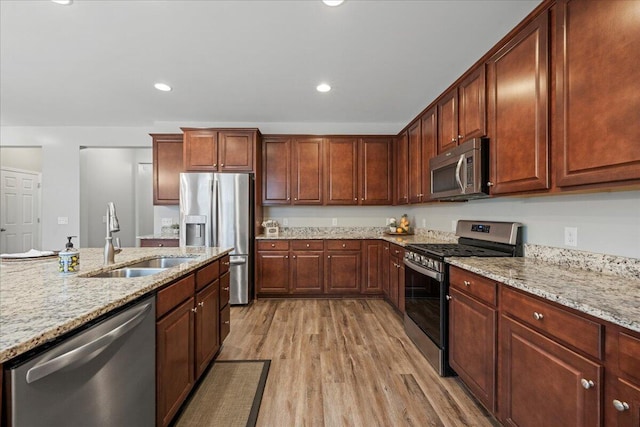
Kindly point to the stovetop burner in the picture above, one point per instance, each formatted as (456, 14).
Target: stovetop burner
(442, 250)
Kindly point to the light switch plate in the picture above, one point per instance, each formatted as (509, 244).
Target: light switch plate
(334, 221)
(63, 220)
(571, 236)
(166, 222)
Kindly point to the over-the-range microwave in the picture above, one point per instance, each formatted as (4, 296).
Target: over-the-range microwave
(462, 173)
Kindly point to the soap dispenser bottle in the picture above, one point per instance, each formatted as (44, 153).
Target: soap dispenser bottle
(69, 258)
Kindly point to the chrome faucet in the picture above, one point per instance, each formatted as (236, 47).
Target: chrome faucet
(112, 226)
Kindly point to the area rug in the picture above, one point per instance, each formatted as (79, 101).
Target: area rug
(229, 395)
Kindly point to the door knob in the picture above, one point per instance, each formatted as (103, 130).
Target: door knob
(3, 229)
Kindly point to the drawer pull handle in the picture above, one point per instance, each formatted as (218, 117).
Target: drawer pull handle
(467, 283)
(226, 322)
(586, 384)
(537, 316)
(226, 288)
(160, 245)
(226, 263)
(620, 406)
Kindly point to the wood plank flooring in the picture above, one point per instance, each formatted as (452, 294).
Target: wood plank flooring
(344, 363)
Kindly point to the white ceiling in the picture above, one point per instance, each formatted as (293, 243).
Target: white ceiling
(94, 63)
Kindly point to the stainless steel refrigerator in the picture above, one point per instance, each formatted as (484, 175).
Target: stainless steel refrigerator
(216, 209)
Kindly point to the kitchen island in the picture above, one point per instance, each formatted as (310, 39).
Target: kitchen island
(38, 304)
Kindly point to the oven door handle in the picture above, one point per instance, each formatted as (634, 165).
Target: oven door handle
(433, 274)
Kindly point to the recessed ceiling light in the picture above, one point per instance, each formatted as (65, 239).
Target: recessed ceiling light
(333, 2)
(63, 2)
(163, 87)
(323, 87)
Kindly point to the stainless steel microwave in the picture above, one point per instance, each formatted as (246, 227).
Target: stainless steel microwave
(462, 173)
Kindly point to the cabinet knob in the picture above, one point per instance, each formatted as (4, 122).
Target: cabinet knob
(226, 263)
(490, 184)
(194, 309)
(449, 297)
(286, 256)
(273, 245)
(328, 256)
(226, 288)
(467, 283)
(454, 140)
(226, 322)
(215, 165)
(295, 198)
(160, 245)
(620, 406)
(201, 303)
(356, 199)
(294, 257)
(537, 316)
(344, 245)
(221, 165)
(460, 137)
(288, 198)
(307, 245)
(586, 384)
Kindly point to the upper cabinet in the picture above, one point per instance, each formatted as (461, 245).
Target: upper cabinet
(341, 163)
(276, 182)
(220, 150)
(167, 165)
(402, 169)
(307, 171)
(414, 159)
(375, 170)
(518, 111)
(429, 129)
(461, 112)
(597, 103)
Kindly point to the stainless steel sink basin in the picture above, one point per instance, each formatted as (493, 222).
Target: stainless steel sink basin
(129, 272)
(163, 262)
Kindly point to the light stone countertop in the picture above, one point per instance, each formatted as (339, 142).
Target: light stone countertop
(159, 236)
(38, 304)
(605, 296)
(402, 240)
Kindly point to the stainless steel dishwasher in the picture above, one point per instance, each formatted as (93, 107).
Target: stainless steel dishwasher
(102, 376)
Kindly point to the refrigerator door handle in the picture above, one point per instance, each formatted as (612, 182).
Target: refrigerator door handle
(238, 260)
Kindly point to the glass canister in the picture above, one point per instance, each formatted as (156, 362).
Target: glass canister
(69, 258)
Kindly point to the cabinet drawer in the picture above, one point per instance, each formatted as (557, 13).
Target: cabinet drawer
(159, 243)
(303, 245)
(225, 322)
(577, 331)
(396, 251)
(629, 355)
(347, 245)
(224, 290)
(207, 274)
(273, 245)
(174, 294)
(224, 264)
(480, 287)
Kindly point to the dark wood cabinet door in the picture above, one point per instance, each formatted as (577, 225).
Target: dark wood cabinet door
(402, 169)
(472, 111)
(597, 85)
(225, 287)
(159, 243)
(343, 272)
(541, 381)
(200, 150)
(447, 111)
(622, 404)
(472, 345)
(429, 132)
(373, 267)
(394, 277)
(386, 261)
(175, 361)
(341, 166)
(307, 272)
(518, 108)
(276, 171)
(401, 286)
(236, 150)
(272, 272)
(167, 165)
(207, 316)
(306, 171)
(375, 176)
(414, 159)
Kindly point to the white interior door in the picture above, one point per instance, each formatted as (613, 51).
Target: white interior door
(20, 210)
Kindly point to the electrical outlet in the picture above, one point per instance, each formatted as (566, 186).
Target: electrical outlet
(334, 221)
(571, 236)
(285, 222)
(166, 222)
(424, 222)
(63, 220)
(454, 225)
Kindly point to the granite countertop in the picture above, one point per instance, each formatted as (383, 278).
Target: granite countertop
(398, 239)
(605, 296)
(38, 304)
(159, 236)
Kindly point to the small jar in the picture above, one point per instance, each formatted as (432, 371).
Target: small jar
(69, 258)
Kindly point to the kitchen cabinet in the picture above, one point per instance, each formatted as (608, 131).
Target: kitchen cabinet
(461, 112)
(402, 169)
(307, 266)
(518, 111)
(272, 267)
(473, 318)
(414, 157)
(343, 266)
(375, 170)
(188, 321)
(547, 374)
(622, 394)
(307, 171)
(276, 182)
(372, 256)
(429, 129)
(396, 276)
(225, 307)
(159, 243)
(385, 269)
(341, 163)
(597, 126)
(220, 150)
(167, 165)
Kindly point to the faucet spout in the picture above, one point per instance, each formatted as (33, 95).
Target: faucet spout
(112, 227)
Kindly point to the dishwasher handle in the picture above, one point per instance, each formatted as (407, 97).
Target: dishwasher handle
(87, 352)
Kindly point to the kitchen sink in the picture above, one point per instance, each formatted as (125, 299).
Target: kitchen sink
(162, 262)
(129, 272)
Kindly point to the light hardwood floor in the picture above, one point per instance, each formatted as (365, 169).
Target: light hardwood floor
(344, 363)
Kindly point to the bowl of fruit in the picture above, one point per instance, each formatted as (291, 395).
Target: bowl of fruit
(403, 226)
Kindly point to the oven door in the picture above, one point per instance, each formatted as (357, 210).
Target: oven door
(425, 292)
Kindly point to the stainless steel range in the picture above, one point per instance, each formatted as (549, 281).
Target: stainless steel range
(426, 319)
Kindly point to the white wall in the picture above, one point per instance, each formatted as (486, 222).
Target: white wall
(25, 158)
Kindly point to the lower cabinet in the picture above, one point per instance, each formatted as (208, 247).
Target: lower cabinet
(272, 267)
(307, 267)
(189, 333)
(396, 276)
(343, 267)
(372, 255)
(622, 393)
